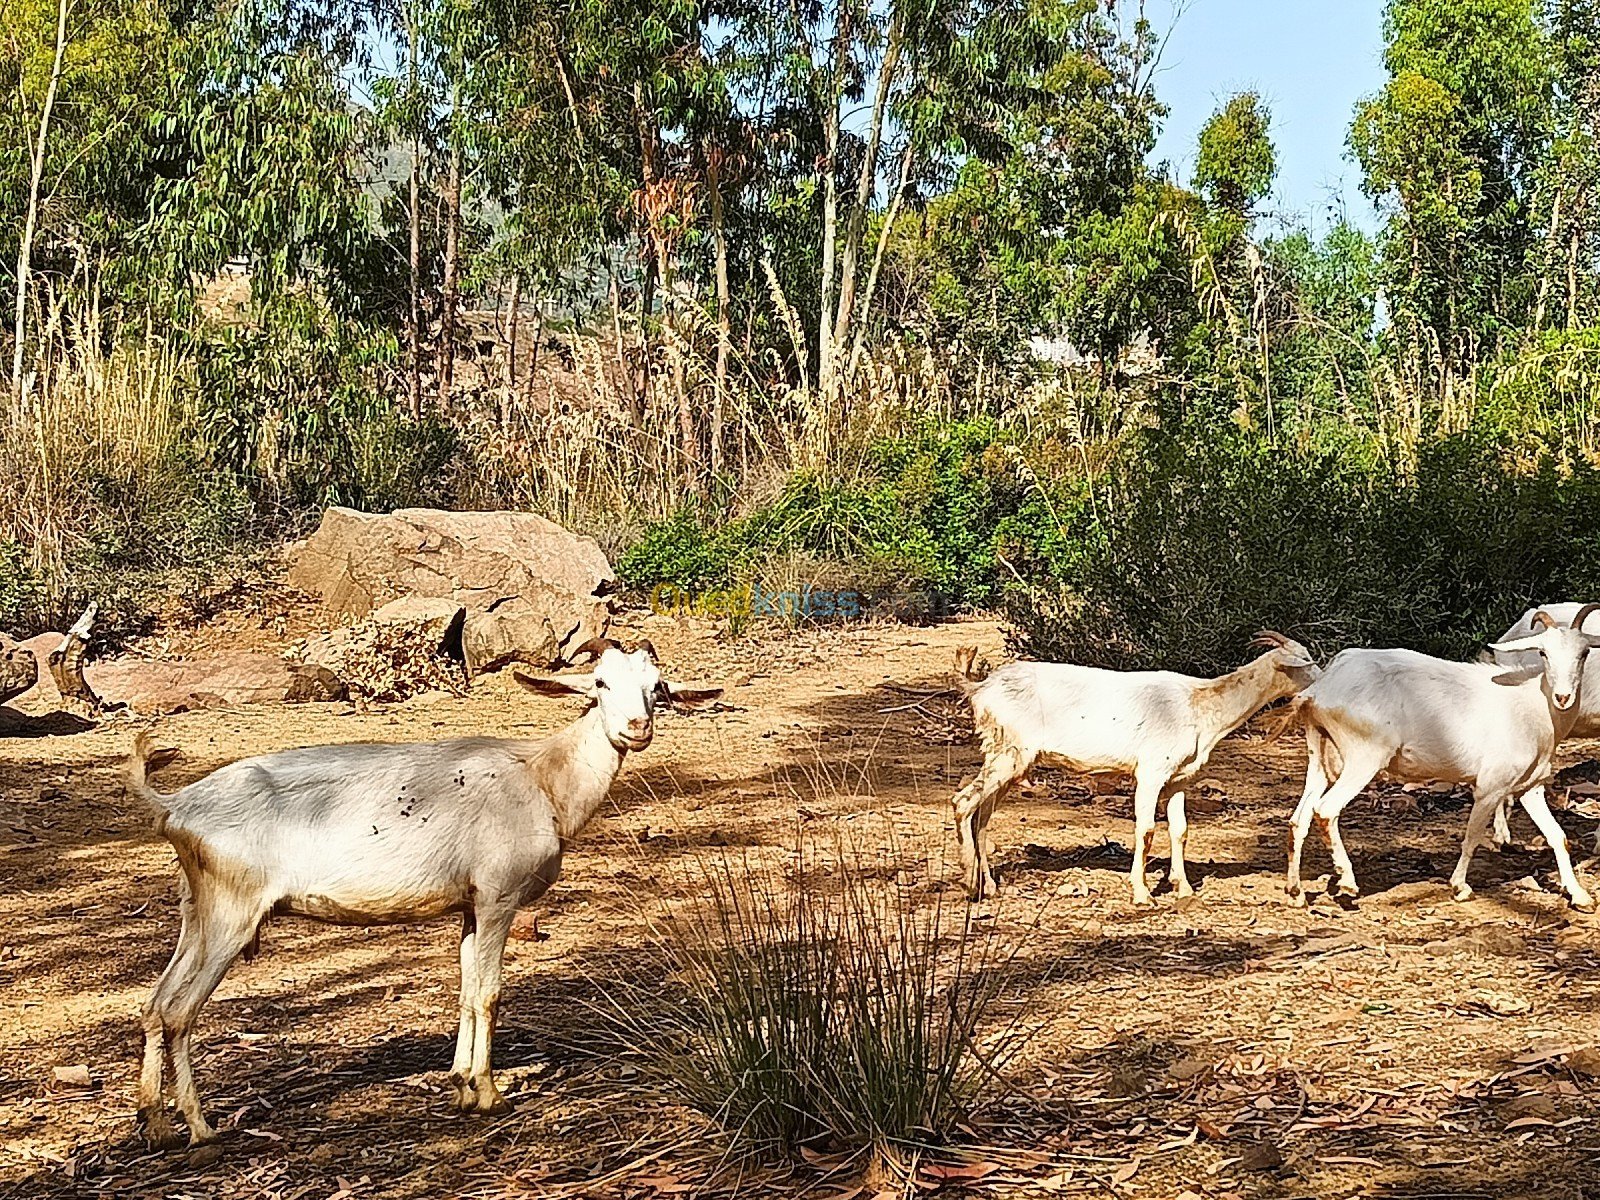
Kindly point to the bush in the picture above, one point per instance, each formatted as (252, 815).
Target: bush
(22, 590)
(1197, 540)
(929, 513)
(293, 409)
(831, 1011)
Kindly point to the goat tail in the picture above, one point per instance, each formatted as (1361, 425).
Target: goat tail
(148, 757)
(969, 673)
(1292, 715)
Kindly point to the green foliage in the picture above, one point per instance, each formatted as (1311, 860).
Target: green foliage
(924, 515)
(1456, 137)
(1236, 163)
(1205, 537)
(293, 409)
(22, 590)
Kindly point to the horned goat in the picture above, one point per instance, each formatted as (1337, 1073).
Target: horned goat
(1419, 718)
(385, 834)
(1587, 723)
(1157, 725)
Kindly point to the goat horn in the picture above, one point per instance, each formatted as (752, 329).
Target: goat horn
(1543, 618)
(1583, 615)
(1269, 637)
(593, 648)
(645, 645)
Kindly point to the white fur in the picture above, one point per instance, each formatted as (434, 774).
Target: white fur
(1157, 725)
(1420, 718)
(384, 834)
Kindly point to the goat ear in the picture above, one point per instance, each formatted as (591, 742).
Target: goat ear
(577, 685)
(1515, 644)
(692, 697)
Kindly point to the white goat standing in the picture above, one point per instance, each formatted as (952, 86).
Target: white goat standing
(1158, 725)
(1587, 722)
(1419, 718)
(385, 834)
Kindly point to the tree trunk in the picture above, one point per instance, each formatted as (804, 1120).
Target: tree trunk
(31, 221)
(830, 208)
(867, 296)
(509, 383)
(724, 316)
(865, 185)
(450, 284)
(515, 304)
(1550, 242)
(414, 216)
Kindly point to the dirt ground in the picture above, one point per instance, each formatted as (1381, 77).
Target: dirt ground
(1400, 1046)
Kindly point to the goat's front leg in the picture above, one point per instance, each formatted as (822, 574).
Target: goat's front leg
(1146, 795)
(1178, 832)
(489, 951)
(1533, 800)
(461, 1067)
(1484, 804)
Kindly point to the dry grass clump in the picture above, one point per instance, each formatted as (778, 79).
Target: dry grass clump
(842, 1006)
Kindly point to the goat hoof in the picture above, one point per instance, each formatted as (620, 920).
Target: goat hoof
(1297, 898)
(493, 1105)
(158, 1132)
(1143, 901)
(1349, 890)
(1584, 905)
(1462, 891)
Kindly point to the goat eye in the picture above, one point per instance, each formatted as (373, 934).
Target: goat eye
(599, 683)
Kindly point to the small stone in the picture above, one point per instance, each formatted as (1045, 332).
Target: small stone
(1261, 1156)
(208, 1155)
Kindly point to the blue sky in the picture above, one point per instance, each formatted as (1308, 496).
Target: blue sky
(1311, 60)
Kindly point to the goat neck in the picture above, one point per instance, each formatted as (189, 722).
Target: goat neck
(1228, 701)
(575, 768)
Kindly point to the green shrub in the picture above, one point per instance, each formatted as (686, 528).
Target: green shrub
(1199, 539)
(294, 409)
(929, 513)
(22, 590)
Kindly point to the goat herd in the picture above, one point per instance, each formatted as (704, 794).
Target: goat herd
(385, 834)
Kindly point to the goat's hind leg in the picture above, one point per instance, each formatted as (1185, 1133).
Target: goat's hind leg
(489, 950)
(227, 926)
(1300, 823)
(974, 805)
(154, 1123)
(466, 1034)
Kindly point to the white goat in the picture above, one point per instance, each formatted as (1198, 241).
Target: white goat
(1419, 718)
(1159, 726)
(1587, 723)
(385, 834)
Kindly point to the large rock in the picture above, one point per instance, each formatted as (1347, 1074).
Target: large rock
(532, 591)
(224, 680)
(19, 669)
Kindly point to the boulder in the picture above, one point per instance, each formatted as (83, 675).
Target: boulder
(151, 686)
(19, 669)
(532, 591)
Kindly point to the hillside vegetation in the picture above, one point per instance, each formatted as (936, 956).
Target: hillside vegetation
(782, 296)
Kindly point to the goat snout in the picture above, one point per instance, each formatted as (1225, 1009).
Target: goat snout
(1563, 700)
(636, 734)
